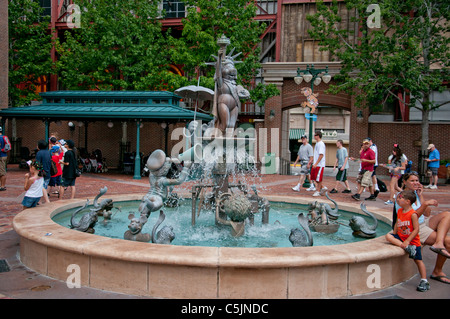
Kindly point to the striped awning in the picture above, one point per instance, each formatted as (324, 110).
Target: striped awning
(296, 133)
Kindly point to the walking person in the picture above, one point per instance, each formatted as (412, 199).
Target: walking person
(3, 160)
(69, 171)
(44, 157)
(364, 179)
(374, 148)
(433, 165)
(342, 166)
(318, 164)
(305, 157)
(396, 164)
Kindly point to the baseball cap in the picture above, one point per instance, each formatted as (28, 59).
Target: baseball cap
(303, 136)
(55, 149)
(430, 146)
(366, 141)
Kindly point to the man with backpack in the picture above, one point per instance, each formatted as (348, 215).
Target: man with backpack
(5, 147)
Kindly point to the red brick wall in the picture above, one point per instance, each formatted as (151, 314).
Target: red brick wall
(4, 54)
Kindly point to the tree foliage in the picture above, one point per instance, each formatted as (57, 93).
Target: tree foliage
(29, 54)
(409, 53)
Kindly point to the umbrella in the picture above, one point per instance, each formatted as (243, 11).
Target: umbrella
(195, 92)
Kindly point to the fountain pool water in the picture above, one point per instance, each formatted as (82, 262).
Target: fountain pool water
(174, 271)
(283, 218)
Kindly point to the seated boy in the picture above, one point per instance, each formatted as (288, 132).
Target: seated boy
(406, 234)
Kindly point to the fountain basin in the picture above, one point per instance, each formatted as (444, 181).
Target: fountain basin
(169, 271)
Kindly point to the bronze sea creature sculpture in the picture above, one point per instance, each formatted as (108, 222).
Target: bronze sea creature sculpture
(87, 221)
(360, 227)
(165, 235)
(301, 237)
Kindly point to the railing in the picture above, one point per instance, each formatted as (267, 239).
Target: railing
(285, 166)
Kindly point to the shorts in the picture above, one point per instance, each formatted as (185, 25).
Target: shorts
(68, 182)
(46, 181)
(341, 176)
(425, 231)
(434, 170)
(317, 174)
(30, 201)
(55, 181)
(3, 166)
(418, 255)
(365, 178)
(304, 170)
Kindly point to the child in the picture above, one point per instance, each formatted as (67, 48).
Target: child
(406, 234)
(55, 180)
(34, 185)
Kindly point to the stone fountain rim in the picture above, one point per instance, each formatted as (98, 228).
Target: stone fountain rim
(36, 225)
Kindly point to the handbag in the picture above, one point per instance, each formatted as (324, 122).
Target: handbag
(77, 172)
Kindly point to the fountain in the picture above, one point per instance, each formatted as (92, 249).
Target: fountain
(166, 270)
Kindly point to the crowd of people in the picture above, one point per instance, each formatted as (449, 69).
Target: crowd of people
(413, 225)
(52, 171)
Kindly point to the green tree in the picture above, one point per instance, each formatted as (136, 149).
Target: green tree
(29, 55)
(205, 22)
(409, 53)
(119, 46)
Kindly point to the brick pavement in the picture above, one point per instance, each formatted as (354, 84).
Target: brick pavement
(89, 184)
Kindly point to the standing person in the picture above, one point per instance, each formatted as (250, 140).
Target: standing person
(364, 179)
(34, 182)
(432, 229)
(44, 157)
(69, 171)
(433, 164)
(305, 156)
(3, 159)
(374, 148)
(406, 234)
(318, 164)
(396, 164)
(55, 180)
(342, 165)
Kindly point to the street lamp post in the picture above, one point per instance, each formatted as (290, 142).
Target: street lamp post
(314, 76)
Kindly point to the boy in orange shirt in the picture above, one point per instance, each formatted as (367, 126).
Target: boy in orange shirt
(406, 234)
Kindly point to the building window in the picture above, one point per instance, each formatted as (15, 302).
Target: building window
(174, 9)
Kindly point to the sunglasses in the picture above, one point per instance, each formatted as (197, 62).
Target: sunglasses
(400, 196)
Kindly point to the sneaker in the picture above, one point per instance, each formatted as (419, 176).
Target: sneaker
(389, 202)
(347, 191)
(2, 189)
(316, 194)
(323, 191)
(411, 250)
(334, 191)
(371, 197)
(311, 188)
(433, 187)
(428, 186)
(424, 285)
(296, 188)
(356, 197)
(376, 193)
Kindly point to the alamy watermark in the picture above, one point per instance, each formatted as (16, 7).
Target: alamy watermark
(374, 20)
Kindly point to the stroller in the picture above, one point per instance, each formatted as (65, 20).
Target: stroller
(98, 162)
(26, 156)
(85, 160)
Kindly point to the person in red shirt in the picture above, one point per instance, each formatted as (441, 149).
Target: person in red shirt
(406, 234)
(55, 180)
(364, 179)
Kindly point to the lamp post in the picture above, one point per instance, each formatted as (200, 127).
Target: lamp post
(314, 76)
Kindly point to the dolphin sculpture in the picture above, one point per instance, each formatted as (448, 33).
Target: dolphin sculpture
(360, 226)
(301, 237)
(165, 235)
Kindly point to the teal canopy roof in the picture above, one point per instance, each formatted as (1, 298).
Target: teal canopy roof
(106, 105)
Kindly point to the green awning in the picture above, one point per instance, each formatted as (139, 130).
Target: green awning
(296, 133)
(97, 105)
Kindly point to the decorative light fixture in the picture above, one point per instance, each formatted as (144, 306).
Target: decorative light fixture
(307, 77)
(110, 124)
(271, 115)
(317, 81)
(71, 126)
(326, 78)
(359, 117)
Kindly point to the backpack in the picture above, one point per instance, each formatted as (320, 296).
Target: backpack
(7, 144)
(53, 168)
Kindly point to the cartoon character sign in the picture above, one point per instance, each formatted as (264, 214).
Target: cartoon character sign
(311, 99)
